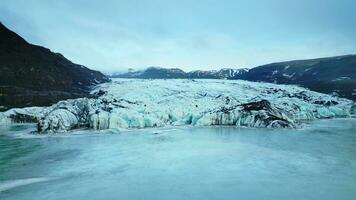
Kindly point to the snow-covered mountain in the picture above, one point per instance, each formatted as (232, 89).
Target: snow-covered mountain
(129, 103)
(327, 75)
(225, 73)
(176, 73)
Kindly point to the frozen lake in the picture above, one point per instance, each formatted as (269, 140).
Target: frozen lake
(315, 162)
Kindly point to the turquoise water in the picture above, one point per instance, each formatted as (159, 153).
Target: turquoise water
(315, 162)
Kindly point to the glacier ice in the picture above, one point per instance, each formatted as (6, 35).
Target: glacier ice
(130, 103)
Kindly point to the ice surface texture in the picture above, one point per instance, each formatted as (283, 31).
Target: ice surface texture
(125, 104)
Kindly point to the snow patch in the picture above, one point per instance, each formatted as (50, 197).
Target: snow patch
(342, 78)
(275, 72)
(288, 75)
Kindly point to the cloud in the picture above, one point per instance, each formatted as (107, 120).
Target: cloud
(116, 35)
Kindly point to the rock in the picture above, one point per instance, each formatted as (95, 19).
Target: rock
(99, 94)
(260, 105)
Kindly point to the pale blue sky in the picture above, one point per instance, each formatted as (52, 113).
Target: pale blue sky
(115, 35)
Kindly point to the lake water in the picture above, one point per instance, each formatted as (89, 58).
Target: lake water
(314, 162)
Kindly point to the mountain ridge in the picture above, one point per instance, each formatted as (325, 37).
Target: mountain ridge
(331, 75)
(154, 72)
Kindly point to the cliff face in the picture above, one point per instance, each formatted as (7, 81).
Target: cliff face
(32, 75)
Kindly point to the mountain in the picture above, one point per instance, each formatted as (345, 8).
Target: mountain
(326, 75)
(332, 75)
(33, 75)
(225, 73)
(175, 73)
(155, 73)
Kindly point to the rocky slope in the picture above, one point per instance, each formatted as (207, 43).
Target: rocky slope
(125, 104)
(33, 75)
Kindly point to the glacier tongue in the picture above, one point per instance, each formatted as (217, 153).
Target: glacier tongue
(155, 103)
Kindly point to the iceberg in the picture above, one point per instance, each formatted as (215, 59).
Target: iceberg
(130, 103)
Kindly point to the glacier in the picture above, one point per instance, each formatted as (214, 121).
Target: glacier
(132, 103)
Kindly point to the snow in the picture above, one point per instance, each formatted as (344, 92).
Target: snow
(342, 78)
(131, 103)
(274, 72)
(288, 75)
(235, 72)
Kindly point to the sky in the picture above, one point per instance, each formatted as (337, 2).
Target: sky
(115, 35)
